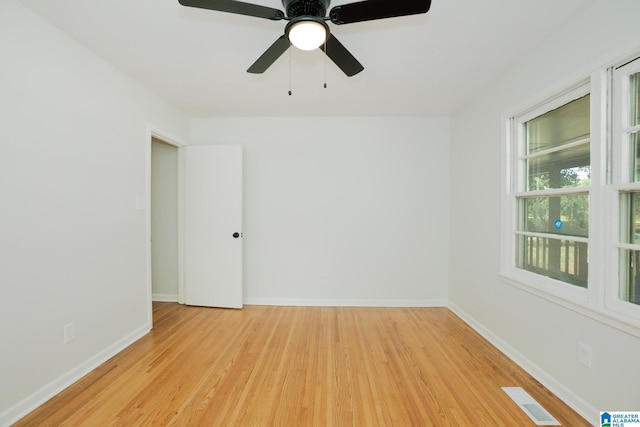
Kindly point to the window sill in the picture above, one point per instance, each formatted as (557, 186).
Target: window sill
(578, 305)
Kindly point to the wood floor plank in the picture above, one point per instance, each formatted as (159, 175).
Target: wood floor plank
(301, 366)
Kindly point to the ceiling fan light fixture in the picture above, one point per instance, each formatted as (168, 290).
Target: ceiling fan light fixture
(307, 34)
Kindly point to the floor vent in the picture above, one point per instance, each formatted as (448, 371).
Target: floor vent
(537, 413)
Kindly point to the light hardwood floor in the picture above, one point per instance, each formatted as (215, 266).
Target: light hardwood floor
(302, 366)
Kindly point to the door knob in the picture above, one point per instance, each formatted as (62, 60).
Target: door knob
(236, 235)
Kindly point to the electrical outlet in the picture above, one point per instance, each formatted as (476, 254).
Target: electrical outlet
(584, 354)
(69, 332)
(324, 278)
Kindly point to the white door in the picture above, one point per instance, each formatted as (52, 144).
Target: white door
(213, 225)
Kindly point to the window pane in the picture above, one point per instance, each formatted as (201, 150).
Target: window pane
(568, 214)
(630, 222)
(634, 88)
(561, 126)
(630, 275)
(566, 168)
(634, 146)
(559, 259)
(634, 120)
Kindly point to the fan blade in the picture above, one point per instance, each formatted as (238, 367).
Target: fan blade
(341, 56)
(370, 10)
(236, 7)
(270, 55)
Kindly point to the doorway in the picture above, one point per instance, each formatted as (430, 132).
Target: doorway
(164, 221)
(160, 142)
(204, 177)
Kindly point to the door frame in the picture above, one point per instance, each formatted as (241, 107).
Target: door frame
(154, 132)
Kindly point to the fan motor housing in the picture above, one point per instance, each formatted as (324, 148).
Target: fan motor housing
(297, 8)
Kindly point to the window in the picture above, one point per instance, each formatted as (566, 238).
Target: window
(551, 181)
(625, 174)
(571, 229)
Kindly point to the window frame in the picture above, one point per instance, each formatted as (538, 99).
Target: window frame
(516, 182)
(619, 182)
(599, 300)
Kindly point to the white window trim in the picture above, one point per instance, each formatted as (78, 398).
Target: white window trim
(594, 302)
(516, 182)
(619, 183)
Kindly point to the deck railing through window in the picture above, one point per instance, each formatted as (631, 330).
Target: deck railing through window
(565, 260)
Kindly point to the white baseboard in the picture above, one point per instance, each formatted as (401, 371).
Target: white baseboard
(344, 302)
(578, 404)
(165, 297)
(28, 404)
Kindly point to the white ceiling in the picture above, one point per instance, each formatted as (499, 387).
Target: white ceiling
(418, 65)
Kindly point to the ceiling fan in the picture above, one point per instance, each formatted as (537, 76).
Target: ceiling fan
(307, 28)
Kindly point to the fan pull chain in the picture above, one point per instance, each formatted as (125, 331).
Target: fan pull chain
(289, 72)
(325, 64)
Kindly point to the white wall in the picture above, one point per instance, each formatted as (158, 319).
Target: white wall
(164, 221)
(363, 200)
(73, 137)
(539, 334)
